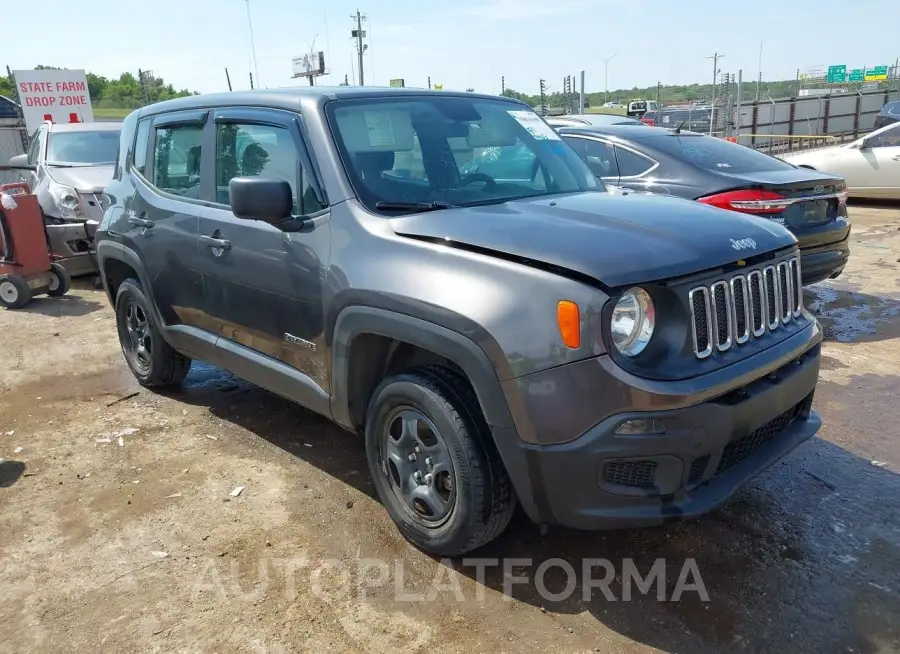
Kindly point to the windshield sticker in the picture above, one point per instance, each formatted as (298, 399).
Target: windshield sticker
(381, 129)
(665, 119)
(535, 126)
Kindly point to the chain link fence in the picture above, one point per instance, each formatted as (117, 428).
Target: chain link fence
(13, 141)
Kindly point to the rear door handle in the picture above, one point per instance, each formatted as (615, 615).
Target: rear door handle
(217, 243)
(140, 221)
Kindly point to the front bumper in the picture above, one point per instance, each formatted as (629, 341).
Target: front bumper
(72, 242)
(603, 480)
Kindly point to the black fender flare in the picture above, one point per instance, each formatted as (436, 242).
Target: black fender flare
(355, 320)
(112, 250)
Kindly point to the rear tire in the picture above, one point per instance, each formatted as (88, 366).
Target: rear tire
(61, 281)
(15, 292)
(152, 361)
(434, 463)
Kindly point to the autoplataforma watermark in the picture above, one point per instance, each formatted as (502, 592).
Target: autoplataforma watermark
(554, 580)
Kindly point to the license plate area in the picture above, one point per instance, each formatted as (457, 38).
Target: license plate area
(811, 212)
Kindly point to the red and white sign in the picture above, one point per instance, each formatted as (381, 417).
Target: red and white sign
(58, 95)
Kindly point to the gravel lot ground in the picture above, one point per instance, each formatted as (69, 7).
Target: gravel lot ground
(120, 530)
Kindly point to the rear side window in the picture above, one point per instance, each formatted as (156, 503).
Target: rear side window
(630, 164)
(715, 154)
(141, 140)
(598, 155)
(176, 160)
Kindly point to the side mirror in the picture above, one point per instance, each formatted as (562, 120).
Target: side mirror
(20, 162)
(260, 198)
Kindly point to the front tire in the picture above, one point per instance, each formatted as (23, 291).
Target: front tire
(61, 281)
(152, 361)
(434, 463)
(15, 292)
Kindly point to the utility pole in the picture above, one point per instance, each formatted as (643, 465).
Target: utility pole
(429, 82)
(543, 98)
(581, 99)
(658, 95)
(606, 77)
(712, 116)
(251, 81)
(759, 71)
(359, 34)
(503, 85)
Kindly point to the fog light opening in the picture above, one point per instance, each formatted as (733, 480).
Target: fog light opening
(641, 426)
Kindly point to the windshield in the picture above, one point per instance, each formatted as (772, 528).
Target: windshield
(83, 147)
(452, 150)
(715, 154)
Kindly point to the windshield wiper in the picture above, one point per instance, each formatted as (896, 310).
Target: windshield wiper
(69, 165)
(412, 207)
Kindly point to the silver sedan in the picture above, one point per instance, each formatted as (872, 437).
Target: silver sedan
(871, 164)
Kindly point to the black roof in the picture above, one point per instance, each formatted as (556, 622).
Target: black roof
(291, 97)
(625, 132)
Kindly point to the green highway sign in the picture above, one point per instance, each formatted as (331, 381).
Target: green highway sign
(399, 82)
(837, 74)
(858, 75)
(876, 74)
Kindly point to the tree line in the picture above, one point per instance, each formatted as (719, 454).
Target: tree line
(125, 91)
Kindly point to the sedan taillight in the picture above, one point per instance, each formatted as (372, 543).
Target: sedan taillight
(747, 201)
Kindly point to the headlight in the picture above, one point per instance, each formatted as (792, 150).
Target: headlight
(632, 323)
(66, 199)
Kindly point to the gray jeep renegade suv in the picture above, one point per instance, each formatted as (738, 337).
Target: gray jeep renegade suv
(515, 337)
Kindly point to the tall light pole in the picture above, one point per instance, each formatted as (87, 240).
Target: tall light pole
(252, 44)
(712, 115)
(606, 76)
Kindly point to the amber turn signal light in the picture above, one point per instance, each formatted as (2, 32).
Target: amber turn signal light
(569, 324)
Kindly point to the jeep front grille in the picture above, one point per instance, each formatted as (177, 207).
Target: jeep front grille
(730, 312)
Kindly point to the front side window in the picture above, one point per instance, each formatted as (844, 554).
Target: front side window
(141, 142)
(83, 147)
(176, 159)
(34, 149)
(247, 150)
(890, 138)
(449, 149)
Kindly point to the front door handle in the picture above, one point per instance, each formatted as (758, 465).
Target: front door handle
(140, 221)
(216, 243)
(897, 158)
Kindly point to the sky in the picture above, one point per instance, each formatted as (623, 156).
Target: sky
(462, 44)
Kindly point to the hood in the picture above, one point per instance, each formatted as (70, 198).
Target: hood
(84, 179)
(616, 239)
(812, 154)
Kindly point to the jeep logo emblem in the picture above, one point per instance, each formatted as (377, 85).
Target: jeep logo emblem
(743, 244)
(819, 189)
